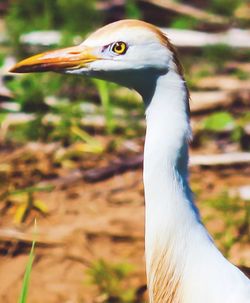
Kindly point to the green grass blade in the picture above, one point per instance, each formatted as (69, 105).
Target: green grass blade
(103, 90)
(26, 279)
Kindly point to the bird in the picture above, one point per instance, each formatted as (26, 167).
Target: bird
(183, 264)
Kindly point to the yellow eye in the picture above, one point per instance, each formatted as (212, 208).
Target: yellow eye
(119, 48)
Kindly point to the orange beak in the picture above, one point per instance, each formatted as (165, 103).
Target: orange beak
(61, 60)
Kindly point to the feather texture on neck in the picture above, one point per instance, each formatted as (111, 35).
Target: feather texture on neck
(166, 185)
(179, 251)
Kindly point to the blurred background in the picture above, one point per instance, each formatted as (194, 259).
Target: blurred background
(71, 148)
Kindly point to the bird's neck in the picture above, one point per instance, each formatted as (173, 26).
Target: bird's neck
(170, 212)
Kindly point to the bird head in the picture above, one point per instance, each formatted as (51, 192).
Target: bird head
(128, 52)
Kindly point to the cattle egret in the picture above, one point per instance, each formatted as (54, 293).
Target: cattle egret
(183, 264)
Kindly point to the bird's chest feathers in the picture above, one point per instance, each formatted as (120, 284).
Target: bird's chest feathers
(167, 229)
(164, 277)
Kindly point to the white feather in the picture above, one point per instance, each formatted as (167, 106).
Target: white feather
(172, 220)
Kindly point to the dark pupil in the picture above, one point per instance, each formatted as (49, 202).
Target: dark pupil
(118, 47)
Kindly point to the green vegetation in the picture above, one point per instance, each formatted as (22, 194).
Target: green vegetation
(31, 90)
(219, 121)
(73, 17)
(235, 215)
(27, 275)
(2, 57)
(24, 201)
(110, 280)
(241, 75)
(218, 55)
(103, 89)
(225, 7)
(184, 23)
(132, 10)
